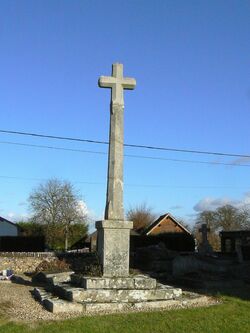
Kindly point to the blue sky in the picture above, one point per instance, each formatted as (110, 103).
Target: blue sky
(192, 66)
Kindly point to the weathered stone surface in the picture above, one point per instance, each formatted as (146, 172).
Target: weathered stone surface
(132, 282)
(54, 304)
(107, 307)
(21, 262)
(117, 295)
(113, 247)
(154, 305)
(143, 282)
(114, 199)
(144, 306)
(59, 306)
(40, 295)
(113, 232)
(52, 278)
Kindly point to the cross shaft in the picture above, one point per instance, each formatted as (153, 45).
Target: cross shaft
(114, 198)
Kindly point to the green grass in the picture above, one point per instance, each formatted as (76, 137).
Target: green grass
(233, 316)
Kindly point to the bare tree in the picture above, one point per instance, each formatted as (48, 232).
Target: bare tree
(141, 215)
(55, 204)
(224, 218)
(184, 223)
(231, 218)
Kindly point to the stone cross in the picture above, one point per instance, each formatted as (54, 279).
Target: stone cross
(113, 233)
(114, 198)
(204, 231)
(204, 246)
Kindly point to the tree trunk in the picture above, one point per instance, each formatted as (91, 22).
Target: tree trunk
(66, 238)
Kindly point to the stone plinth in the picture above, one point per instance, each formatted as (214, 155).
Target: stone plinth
(97, 294)
(131, 282)
(116, 295)
(113, 247)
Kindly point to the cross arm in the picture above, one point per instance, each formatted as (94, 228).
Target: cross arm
(106, 81)
(128, 83)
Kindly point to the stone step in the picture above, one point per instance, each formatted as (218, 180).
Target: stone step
(55, 305)
(139, 306)
(162, 292)
(131, 282)
(52, 278)
(59, 306)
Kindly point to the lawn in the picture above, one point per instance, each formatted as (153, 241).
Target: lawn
(233, 316)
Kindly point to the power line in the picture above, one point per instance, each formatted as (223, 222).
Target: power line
(126, 155)
(52, 147)
(126, 145)
(133, 185)
(54, 137)
(187, 161)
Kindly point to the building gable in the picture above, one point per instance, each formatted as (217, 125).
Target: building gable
(165, 224)
(8, 228)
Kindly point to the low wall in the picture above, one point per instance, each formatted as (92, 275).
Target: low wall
(27, 262)
(21, 262)
(196, 263)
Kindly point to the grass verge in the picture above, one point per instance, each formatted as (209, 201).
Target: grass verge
(230, 317)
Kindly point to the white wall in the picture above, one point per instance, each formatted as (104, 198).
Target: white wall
(8, 229)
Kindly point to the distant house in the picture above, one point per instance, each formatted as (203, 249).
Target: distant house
(8, 228)
(165, 224)
(89, 242)
(165, 230)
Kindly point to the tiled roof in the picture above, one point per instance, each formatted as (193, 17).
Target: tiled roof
(156, 222)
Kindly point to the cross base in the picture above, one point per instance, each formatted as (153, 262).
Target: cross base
(205, 248)
(113, 238)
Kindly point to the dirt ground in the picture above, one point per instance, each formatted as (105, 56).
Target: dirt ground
(17, 303)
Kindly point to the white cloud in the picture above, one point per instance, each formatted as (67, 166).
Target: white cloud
(241, 160)
(86, 210)
(12, 216)
(213, 203)
(175, 207)
(91, 215)
(83, 207)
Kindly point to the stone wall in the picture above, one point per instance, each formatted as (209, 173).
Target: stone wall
(27, 262)
(21, 262)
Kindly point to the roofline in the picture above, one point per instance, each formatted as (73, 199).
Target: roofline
(2, 219)
(160, 220)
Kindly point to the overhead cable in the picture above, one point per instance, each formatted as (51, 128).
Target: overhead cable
(126, 155)
(192, 151)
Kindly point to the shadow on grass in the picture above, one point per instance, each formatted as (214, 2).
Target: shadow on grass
(215, 284)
